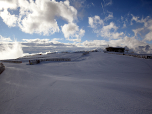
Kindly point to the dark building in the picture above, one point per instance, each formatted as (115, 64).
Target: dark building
(115, 49)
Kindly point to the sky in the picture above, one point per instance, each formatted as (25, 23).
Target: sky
(66, 25)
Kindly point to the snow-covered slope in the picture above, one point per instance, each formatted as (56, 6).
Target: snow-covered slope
(98, 83)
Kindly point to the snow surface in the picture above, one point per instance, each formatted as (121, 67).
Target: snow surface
(98, 83)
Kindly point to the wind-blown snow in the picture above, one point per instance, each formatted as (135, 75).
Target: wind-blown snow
(98, 83)
(13, 52)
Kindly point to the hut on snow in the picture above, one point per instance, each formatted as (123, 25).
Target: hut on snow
(115, 49)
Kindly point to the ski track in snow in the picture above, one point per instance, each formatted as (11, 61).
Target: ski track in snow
(98, 83)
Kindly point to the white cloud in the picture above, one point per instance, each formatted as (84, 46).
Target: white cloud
(102, 7)
(106, 31)
(119, 38)
(8, 19)
(91, 23)
(109, 27)
(147, 27)
(134, 18)
(95, 43)
(78, 4)
(46, 45)
(131, 42)
(150, 24)
(110, 16)
(117, 35)
(36, 40)
(122, 18)
(95, 21)
(56, 39)
(107, 2)
(3, 39)
(144, 49)
(41, 16)
(81, 6)
(137, 31)
(71, 31)
(42, 41)
(5, 4)
(148, 36)
(124, 25)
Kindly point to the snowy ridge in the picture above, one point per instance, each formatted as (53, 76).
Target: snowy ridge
(145, 56)
(97, 83)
